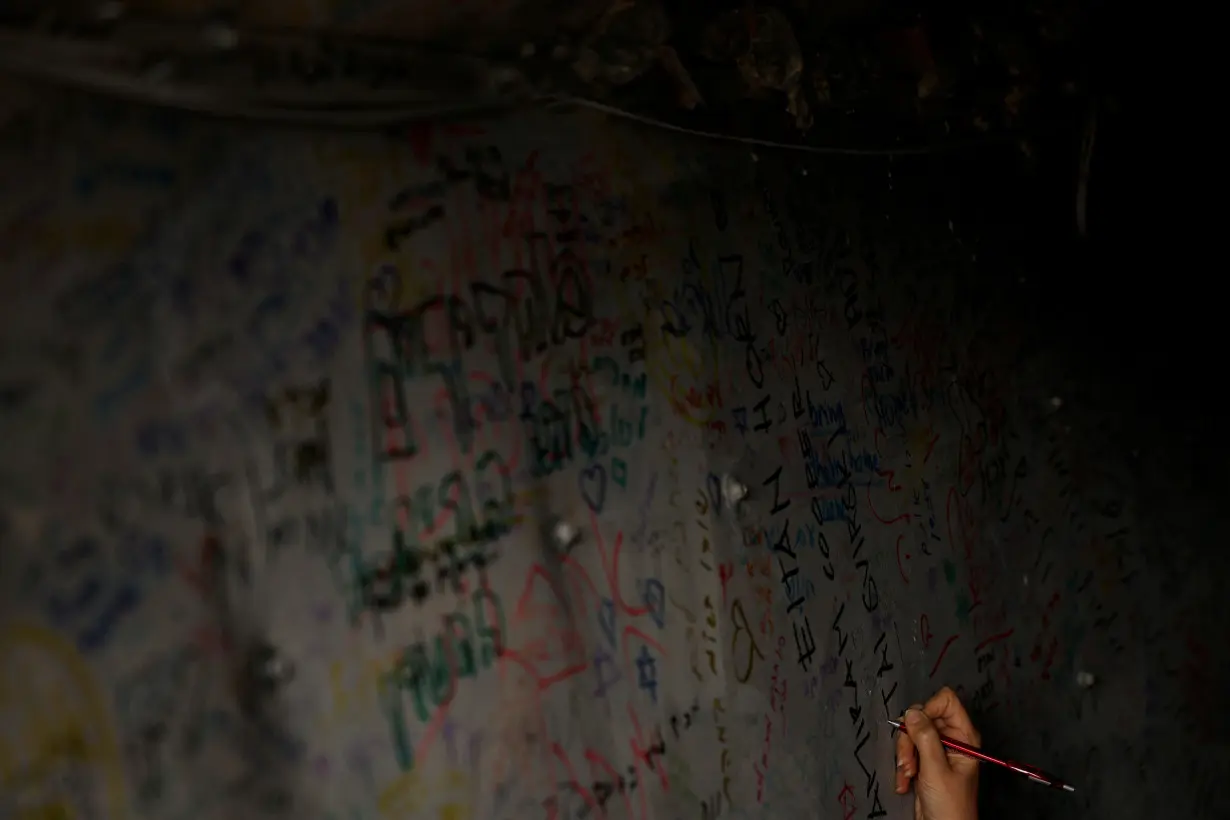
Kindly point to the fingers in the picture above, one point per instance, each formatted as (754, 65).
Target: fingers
(926, 739)
(946, 711)
(907, 765)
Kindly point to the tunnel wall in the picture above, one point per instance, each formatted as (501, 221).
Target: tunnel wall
(548, 467)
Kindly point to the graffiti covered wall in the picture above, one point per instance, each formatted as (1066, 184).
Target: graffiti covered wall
(540, 468)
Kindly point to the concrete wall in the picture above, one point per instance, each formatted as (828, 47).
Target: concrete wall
(354, 477)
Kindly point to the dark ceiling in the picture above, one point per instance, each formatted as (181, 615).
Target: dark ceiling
(850, 73)
(876, 74)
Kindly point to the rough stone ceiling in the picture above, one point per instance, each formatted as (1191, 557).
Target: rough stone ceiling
(844, 72)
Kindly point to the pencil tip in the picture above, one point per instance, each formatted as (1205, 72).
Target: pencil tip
(1068, 788)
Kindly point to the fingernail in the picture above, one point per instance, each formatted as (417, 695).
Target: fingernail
(913, 716)
(901, 764)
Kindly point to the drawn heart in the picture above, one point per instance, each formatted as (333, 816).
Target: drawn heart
(593, 486)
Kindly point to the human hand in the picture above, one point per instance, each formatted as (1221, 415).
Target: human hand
(946, 784)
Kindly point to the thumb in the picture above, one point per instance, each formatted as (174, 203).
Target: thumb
(931, 754)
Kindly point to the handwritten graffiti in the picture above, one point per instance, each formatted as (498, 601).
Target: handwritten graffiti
(553, 433)
(531, 312)
(858, 720)
(389, 583)
(88, 587)
(429, 671)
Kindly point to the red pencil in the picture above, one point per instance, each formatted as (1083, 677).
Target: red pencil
(1034, 774)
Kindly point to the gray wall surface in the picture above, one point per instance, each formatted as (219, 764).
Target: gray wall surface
(355, 476)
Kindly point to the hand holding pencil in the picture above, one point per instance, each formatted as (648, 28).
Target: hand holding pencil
(945, 787)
